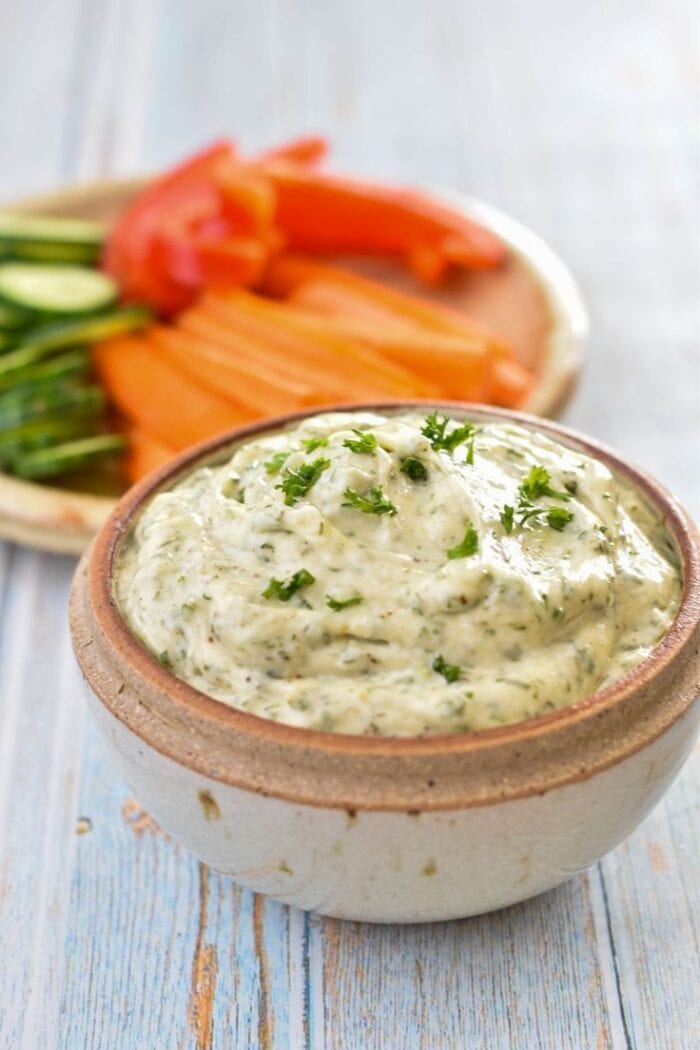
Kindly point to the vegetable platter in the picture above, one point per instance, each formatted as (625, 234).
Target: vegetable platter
(140, 316)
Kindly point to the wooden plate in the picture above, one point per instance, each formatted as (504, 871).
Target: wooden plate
(533, 301)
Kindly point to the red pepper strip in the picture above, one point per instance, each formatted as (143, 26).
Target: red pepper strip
(247, 197)
(128, 252)
(307, 149)
(327, 213)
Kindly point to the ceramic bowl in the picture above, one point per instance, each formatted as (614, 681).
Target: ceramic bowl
(389, 829)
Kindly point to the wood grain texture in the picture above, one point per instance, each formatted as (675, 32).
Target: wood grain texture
(581, 121)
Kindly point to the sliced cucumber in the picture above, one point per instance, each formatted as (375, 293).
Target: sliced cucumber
(56, 290)
(74, 363)
(41, 342)
(39, 433)
(49, 398)
(47, 239)
(72, 455)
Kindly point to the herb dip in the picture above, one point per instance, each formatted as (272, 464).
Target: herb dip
(399, 574)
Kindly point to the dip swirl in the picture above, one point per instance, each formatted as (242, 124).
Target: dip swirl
(399, 574)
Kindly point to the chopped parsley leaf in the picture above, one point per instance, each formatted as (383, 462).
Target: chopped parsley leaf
(285, 591)
(414, 468)
(275, 464)
(435, 429)
(468, 546)
(311, 444)
(337, 604)
(296, 483)
(558, 518)
(450, 672)
(363, 444)
(372, 502)
(534, 487)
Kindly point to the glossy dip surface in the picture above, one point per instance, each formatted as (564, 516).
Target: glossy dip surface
(399, 574)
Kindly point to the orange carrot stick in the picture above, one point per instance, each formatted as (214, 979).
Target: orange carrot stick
(144, 454)
(318, 212)
(452, 365)
(327, 288)
(246, 380)
(346, 366)
(159, 398)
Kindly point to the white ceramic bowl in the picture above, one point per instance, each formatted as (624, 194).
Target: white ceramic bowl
(389, 829)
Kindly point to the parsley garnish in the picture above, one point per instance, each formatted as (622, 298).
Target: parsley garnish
(337, 604)
(414, 468)
(311, 444)
(363, 444)
(296, 483)
(285, 591)
(450, 672)
(274, 465)
(468, 546)
(435, 429)
(535, 486)
(372, 502)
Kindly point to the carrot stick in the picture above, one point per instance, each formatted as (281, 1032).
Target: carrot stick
(315, 285)
(452, 365)
(509, 383)
(159, 398)
(245, 380)
(144, 454)
(318, 212)
(343, 366)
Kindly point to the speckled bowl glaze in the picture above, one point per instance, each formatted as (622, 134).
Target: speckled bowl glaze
(389, 829)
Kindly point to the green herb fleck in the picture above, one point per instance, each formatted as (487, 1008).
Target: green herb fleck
(363, 444)
(450, 672)
(435, 429)
(311, 444)
(372, 502)
(164, 659)
(285, 591)
(275, 464)
(558, 518)
(296, 483)
(468, 546)
(534, 487)
(414, 468)
(336, 604)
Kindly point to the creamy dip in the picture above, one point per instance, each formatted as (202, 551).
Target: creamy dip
(399, 574)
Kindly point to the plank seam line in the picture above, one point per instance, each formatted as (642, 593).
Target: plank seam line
(615, 961)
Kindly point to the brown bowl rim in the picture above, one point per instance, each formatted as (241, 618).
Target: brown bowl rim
(108, 540)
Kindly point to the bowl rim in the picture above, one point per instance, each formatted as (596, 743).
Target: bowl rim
(107, 543)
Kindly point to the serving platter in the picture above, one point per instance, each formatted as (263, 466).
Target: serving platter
(533, 301)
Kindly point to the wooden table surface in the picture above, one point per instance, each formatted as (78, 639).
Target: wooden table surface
(580, 120)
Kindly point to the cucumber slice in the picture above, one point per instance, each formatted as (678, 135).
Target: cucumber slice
(56, 290)
(39, 433)
(49, 398)
(41, 342)
(48, 239)
(58, 459)
(74, 363)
